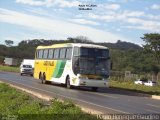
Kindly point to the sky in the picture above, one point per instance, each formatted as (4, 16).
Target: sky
(98, 20)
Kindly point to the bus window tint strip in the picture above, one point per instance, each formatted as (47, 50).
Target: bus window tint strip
(57, 53)
(91, 52)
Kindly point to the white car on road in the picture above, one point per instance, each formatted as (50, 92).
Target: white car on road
(140, 81)
(27, 67)
(145, 82)
(150, 83)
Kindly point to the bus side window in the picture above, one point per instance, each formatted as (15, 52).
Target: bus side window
(68, 53)
(45, 54)
(76, 51)
(62, 53)
(40, 55)
(56, 53)
(50, 53)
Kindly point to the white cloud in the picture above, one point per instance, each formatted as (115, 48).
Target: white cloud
(111, 0)
(109, 6)
(113, 7)
(84, 21)
(155, 7)
(31, 2)
(144, 24)
(64, 3)
(134, 20)
(153, 17)
(43, 12)
(107, 18)
(78, 16)
(122, 1)
(116, 16)
(39, 11)
(49, 3)
(133, 13)
(118, 29)
(52, 26)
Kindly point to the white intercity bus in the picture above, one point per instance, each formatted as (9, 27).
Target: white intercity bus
(73, 64)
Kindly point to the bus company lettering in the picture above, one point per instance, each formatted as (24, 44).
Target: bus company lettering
(48, 63)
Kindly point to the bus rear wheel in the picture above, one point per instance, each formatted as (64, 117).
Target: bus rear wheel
(42, 78)
(94, 89)
(68, 85)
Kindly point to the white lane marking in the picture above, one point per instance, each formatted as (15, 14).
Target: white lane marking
(72, 98)
(156, 106)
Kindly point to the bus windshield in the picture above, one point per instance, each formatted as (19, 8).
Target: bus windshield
(92, 61)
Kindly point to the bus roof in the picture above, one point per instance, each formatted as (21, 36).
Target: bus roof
(73, 45)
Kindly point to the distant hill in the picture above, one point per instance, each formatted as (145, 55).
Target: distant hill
(122, 45)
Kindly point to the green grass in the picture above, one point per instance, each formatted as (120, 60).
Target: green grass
(129, 85)
(18, 105)
(9, 68)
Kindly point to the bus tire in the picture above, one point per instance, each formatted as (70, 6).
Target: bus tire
(94, 89)
(68, 85)
(42, 78)
(47, 82)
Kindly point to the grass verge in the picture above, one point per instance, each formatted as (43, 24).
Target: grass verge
(9, 68)
(137, 88)
(17, 105)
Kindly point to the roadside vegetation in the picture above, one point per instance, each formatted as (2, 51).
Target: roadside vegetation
(129, 85)
(17, 105)
(9, 68)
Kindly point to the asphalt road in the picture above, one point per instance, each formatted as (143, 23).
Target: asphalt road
(105, 100)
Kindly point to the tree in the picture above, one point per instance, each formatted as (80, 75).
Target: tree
(9, 42)
(79, 39)
(152, 45)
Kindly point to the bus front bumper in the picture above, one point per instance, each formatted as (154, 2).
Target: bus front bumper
(93, 83)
